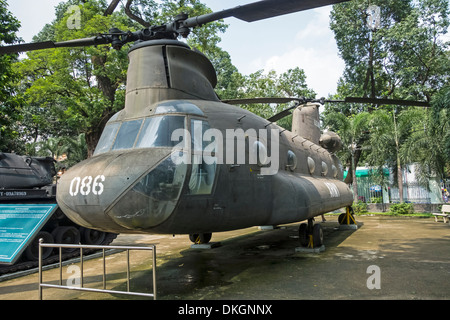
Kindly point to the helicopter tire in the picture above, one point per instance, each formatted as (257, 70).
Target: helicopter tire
(32, 251)
(317, 235)
(200, 238)
(303, 234)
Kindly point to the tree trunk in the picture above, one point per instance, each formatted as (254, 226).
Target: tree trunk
(108, 89)
(355, 183)
(112, 6)
(399, 178)
(349, 178)
(399, 164)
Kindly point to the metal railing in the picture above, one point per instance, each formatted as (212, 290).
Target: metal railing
(81, 286)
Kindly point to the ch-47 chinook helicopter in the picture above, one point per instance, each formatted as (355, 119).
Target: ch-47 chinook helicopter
(177, 160)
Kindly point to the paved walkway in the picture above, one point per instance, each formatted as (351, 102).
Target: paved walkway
(386, 258)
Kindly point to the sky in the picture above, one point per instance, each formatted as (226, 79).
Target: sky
(301, 39)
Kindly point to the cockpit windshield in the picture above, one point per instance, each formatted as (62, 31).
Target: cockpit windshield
(157, 131)
(142, 133)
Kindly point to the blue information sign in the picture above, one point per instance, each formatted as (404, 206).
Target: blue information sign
(19, 223)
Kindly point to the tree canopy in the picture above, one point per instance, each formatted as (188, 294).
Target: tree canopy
(8, 115)
(63, 97)
(405, 57)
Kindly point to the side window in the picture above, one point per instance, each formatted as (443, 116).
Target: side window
(203, 162)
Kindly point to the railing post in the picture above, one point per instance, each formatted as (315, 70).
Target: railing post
(104, 270)
(40, 268)
(154, 271)
(60, 266)
(128, 270)
(81, 266)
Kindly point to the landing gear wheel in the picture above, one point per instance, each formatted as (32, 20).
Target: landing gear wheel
(32, 251)
(317, 236)
(200, 238)
(310, 234)
(303, 234)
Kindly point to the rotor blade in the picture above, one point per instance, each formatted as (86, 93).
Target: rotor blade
(281, 114)
(382, 101)
(260, 10)
(27, 47)
(276, 117)
(273, 8)
(262, 100)
(50, 44)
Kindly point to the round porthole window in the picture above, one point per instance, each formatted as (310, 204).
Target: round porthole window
(259, 150)
(324, 169)
(334, 170)
(291, 160)
(311, 165)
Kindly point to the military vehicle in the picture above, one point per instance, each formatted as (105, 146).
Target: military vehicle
(30, 180)
(178, 160)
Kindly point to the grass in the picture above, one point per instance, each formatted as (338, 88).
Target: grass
(387, 213)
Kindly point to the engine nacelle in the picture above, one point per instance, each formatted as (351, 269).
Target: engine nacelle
(330, 141)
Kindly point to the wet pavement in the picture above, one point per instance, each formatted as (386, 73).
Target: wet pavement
(385, 258)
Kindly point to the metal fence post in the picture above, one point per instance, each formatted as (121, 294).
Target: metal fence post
(40, 267)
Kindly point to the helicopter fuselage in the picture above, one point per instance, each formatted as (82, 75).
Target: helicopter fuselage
(138, 188)
(176, 160)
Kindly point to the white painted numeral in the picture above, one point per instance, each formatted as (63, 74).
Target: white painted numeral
(334, 191)
(86, 184)
(75, 181)
(97, 187)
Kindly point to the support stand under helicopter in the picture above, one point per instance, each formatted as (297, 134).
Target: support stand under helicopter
(347, 220)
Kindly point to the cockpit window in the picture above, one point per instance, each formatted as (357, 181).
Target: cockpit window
(157, 131)
(127, 135)
(107, 138)
(179, 107)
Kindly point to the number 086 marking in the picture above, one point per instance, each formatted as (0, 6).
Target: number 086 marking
(86, 185)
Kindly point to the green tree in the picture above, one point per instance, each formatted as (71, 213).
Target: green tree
(429, 142)
(83, 87)
(259, 84)
(80, 87)
(390, 133)
(353, 130)
(8, 101)
(363, 50)
(404, 58)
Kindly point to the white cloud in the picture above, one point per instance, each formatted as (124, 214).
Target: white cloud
(322, 68)
(316, 28)
(314, 50)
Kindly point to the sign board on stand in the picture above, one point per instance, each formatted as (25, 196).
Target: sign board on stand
(19, 224)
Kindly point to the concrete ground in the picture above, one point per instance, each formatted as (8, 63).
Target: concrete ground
(386, 258)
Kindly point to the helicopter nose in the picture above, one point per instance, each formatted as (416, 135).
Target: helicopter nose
(89, 192)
